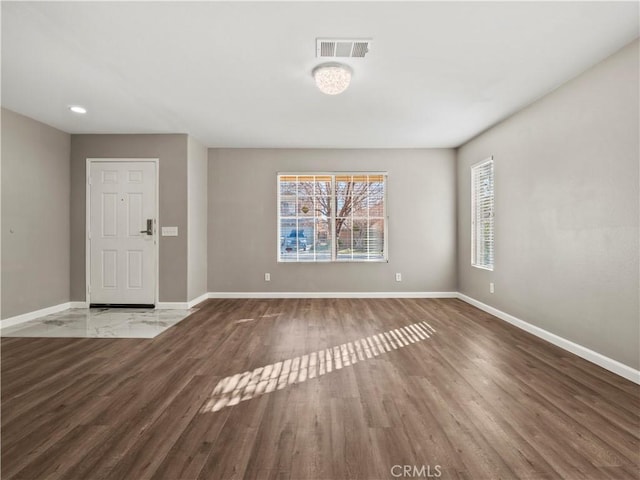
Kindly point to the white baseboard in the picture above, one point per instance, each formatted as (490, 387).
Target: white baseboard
(594, 357)
(25, 317)
(172, 306)
(197, 300)
(181, 305)
(333, 295)
(78, 305)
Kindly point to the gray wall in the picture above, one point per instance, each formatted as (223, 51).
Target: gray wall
(197, 164)
(567, 193)
(35, 215)
(172, 152)
(421, 210)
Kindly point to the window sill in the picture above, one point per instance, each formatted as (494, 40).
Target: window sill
(482, 267)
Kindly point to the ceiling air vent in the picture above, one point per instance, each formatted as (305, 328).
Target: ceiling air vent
(342, 48)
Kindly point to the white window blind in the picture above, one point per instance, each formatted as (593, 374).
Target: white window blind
(482, 214)
(329, 217)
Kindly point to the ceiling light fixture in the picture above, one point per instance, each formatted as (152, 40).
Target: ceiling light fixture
(77, 109)
(332, 78)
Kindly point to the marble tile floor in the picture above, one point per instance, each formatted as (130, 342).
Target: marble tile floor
(99, 323)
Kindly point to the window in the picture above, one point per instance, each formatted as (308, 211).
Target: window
(482, 214)
(330, 217)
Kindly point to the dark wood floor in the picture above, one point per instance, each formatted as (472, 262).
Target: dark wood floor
(476, 399)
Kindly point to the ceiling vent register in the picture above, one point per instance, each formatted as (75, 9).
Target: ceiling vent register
(342, 48)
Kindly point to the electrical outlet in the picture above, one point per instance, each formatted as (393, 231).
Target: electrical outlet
(267, 277)
(491, 287)
(398, 277)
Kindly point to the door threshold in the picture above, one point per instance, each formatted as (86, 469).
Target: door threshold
(122, 305)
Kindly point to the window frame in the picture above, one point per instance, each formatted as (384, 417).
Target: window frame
(332, 219)
(474, 220)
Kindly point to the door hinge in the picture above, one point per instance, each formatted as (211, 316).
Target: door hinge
(89, 180)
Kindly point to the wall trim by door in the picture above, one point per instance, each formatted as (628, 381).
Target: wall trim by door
(172, 306)
(87, 247)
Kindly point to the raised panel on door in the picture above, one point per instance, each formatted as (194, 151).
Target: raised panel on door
(109, 268)
(109, 214)
(109, 176)
(135, 216)
(135, 270)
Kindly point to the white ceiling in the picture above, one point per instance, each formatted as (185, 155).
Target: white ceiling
(238, 74)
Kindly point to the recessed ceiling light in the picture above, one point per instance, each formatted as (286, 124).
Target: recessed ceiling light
(77, 109)
(332, 78)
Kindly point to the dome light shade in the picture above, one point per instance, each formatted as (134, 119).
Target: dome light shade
(332, 78)
(77, 109)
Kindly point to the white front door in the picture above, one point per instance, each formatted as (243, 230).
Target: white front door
(122, 232)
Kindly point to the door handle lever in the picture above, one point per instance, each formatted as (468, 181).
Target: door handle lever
(149, 230)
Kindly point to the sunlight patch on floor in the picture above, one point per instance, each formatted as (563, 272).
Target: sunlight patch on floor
(247, 385)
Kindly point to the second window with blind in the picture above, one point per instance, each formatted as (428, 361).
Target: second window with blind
(482, 214)
(332, 217)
